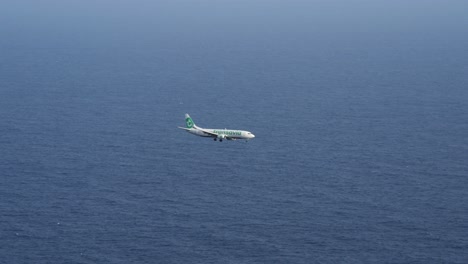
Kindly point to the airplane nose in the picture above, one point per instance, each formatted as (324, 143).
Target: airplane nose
(253, 135)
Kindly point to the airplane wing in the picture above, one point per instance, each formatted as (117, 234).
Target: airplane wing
(216, 135)
(209, 133)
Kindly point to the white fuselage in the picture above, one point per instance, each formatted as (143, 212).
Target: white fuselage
(222, 133)
(216, 134)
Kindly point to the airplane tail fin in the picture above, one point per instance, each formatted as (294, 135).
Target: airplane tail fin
(188, 121)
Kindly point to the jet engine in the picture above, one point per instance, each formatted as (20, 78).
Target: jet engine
(221, 137)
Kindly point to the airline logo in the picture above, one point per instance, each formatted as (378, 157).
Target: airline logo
(189, 122)
(227, 132)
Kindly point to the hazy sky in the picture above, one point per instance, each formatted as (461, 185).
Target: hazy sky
(148, 22)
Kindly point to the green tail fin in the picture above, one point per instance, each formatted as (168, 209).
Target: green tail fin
(188, 121)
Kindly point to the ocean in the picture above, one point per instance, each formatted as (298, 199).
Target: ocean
(360, 155)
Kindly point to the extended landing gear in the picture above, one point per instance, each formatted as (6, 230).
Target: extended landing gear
(220, 140)
(214, 139)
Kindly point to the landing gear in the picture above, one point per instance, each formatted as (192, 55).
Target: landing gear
(220, 140)
(214, 139)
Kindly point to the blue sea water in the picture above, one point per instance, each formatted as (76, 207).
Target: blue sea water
(360, 155)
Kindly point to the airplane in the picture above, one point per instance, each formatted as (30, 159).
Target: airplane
(216, 134)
